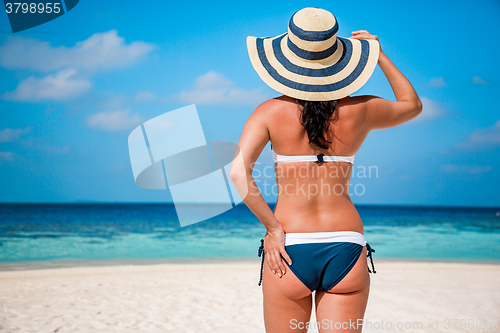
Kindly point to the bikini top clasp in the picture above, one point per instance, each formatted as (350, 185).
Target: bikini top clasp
(320, 159)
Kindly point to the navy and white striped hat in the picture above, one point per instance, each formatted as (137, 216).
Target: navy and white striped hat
(310, 62)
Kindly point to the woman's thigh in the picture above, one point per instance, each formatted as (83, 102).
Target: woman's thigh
(342, 308)
(287, 302)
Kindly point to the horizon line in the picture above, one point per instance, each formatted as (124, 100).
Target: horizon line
(218, 203)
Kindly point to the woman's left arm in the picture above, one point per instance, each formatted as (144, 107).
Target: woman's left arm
(253, 139)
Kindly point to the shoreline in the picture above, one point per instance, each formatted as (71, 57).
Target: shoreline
(73, 263)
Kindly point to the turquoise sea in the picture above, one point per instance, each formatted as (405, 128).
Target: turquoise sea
(51, 233)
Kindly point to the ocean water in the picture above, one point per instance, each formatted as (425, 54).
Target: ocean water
(52, 232)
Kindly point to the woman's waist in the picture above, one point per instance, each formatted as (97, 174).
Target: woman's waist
(312, 187)
(311, 217)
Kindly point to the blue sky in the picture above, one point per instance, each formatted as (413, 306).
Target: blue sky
(72, 90)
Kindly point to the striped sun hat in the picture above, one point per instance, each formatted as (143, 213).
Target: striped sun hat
(310, 62)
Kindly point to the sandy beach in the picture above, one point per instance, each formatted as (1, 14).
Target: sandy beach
(224, 297)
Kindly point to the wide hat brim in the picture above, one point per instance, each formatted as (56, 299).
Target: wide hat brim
(337, 76)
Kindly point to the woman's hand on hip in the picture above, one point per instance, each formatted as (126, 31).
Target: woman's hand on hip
(274, 248)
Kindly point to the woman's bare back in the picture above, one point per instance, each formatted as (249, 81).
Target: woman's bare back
(313, 197)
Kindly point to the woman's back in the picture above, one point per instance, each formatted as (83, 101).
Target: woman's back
(311, 196)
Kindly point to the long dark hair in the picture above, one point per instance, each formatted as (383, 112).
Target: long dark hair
(316, 117)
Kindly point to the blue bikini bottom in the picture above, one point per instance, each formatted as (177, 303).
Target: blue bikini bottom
(322, 259)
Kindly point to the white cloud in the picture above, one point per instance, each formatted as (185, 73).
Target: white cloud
(104, 50)
(144, 96)
(6, 156)
(468, 169)
(430, 111)
(71, 67)
(214, 88)
(477, 80)
(482, 138)
(114, 121)
(9, 135)
(437, 82)
(59, 86)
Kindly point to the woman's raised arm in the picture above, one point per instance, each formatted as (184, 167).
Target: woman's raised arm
(381, 113)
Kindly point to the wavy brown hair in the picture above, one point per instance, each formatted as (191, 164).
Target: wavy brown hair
(316, 117)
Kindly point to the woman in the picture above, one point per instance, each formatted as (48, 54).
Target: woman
(314, 239)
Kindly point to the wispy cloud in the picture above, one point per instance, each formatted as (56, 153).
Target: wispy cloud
(54, 149)
(465, 169)
(482, 138)
(6, 156)
(105, 50)
(38, 144)
(62, 85)
(9, 134)
(114, 121)
(214, 88)
(437, 82)
(145, 96)
(477, 80)
(430, 110)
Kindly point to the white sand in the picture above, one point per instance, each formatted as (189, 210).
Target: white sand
(224, 297)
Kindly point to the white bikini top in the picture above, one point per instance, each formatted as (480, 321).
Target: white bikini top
(311, 158)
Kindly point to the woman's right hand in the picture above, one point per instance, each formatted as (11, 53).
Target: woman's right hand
(363, 34)
(274, 248)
